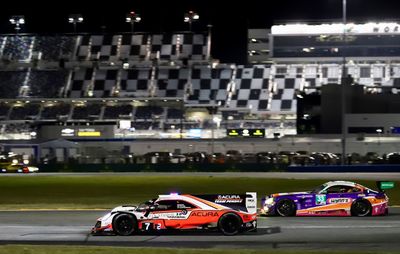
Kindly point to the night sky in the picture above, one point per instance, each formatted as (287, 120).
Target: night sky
(230, 19)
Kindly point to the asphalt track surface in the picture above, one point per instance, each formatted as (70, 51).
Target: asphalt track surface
(307, 233)
(276, 175)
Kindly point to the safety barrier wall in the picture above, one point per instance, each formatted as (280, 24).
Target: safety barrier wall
(161, 167)
(242, 167)
(347, 168)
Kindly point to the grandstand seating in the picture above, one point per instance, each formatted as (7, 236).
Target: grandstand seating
(85, 112)
(25, 112)
(52, 48)
(17, 47)
(46, 84)
(59, 111)
(19, 128)
(4, 109)
(95, 70)
(11, 82)
(118, 111)
(148, 112)
(174, 113)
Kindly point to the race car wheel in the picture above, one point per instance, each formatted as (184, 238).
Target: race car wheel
(124, 224)
(229, 224)
(286, 207)
(361, 208)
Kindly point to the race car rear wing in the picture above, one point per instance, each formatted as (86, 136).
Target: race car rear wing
(240, 202)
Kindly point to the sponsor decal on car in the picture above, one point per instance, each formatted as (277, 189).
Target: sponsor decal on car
(204, 214)
(183, 212)
(222, 199)
(320, 199)
(339, 200)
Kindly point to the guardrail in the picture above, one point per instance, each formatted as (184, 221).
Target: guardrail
(346, 168)
(206, 167)
(163, 167)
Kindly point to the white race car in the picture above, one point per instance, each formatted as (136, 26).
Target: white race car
(229, 213)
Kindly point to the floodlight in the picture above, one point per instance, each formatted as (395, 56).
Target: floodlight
(132, 18)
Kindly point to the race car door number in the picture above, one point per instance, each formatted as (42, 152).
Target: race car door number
(151, 226)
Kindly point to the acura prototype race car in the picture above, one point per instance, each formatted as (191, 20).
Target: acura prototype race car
(229, 213)
(335, 198)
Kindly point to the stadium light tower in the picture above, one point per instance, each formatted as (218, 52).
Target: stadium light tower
(344, 83)
(132, 18)
(191, 16)
(75, 19)
(17, 21)
(208, 55)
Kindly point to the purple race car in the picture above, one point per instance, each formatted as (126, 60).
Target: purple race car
(335, 198)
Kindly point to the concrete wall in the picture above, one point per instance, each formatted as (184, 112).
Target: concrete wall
(381, 145)
(373, 120)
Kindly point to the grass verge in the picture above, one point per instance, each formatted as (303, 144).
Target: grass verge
(107, 191)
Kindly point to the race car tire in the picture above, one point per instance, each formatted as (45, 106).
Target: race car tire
(230, 224)
(361, 208)
(285, 208)
(124, 224)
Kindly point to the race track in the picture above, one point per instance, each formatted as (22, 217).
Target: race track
(72, 227)
(273, 175)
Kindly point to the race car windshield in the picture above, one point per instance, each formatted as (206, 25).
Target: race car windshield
(319, 188)
(145, 205)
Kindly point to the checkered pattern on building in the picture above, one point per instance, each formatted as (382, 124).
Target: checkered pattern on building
(258, 88)
(209, 85)
(252, 84)
(135, 83)
(139, 46)
(180, 46)
(80, 82)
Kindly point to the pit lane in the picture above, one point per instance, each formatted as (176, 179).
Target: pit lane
(311, 233)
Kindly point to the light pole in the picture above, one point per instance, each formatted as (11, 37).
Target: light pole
(208, 56)
(189, 17)
(213, 111)
(344, 81)
(379, 131)
(75, 19)
(132, 18)
(17, 20)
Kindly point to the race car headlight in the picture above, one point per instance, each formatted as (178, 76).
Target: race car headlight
(269, 201)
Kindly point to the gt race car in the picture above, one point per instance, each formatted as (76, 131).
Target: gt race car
(18, 168)
(229, 213)
(335, 198)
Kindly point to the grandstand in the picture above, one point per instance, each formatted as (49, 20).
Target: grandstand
(141, 85)
(149, 79)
